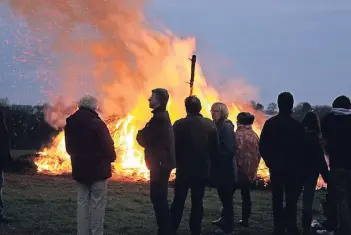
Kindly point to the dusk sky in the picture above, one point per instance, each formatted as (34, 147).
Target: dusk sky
(298, 46)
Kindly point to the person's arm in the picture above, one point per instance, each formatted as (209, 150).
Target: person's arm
(265, 143)
(325, 133)
(106, 140)
(69, 147)
(322, 163)
(214, 143)
(5, 143)
(177, 141)
(227, 141)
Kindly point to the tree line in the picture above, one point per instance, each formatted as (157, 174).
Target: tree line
(28, 129)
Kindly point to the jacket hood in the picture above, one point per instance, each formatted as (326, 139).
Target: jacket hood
(340, 111)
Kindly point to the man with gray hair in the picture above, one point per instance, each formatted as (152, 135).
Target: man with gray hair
(89, 143)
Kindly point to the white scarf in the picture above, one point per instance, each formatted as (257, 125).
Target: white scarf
(340, 111)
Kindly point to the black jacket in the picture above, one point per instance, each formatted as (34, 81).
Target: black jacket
(313, 160)
(196, 144)
(281, 142)
(336, 131)
(224, 168)
(89, 143)
(5, 156)
(157, 138)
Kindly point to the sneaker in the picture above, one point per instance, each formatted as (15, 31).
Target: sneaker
(221, 232)
(244, 223)
(218, 222)
(324, 232)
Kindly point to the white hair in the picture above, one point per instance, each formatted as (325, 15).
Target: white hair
(88, 102)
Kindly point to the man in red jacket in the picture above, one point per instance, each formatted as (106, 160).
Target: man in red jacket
(89, 143)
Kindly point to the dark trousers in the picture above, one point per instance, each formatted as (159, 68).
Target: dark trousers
(226, 193)
(181, 188)
(246, 204)
(1, 201)
(308, 186)
(340, 190)
(159, 194)
(284, 182)
(330, 213)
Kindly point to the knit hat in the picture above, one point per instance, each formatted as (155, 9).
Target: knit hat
(245, 118)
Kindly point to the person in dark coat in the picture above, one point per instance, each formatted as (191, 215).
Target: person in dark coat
(5, 159)
(281, 147)
(90, 145)
(196, 144)
(336, 131)
(312, 165)
(224, 167)
(157, 138)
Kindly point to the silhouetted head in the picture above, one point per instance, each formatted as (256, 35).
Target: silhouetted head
(192, 105)
(245, 118)
(285, 102)
(159, 97)
(88, 102)
(219, 111)
(342, 102)
(311, 122)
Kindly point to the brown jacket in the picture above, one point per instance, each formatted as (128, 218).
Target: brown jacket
(247, 156)
(157, 138)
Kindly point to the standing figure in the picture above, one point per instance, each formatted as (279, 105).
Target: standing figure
(196, 144)
(336, 131)
(224, 167)
(248, 158)
(281, 147)
(5, 159)
(157, 138)
(313, 164)
(89, 143)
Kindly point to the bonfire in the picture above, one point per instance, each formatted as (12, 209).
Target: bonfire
(112, 50)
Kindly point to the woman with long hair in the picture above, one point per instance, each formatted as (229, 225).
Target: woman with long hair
(313, 164)
(224, 167)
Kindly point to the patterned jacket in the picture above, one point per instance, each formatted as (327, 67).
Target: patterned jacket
(247, 155)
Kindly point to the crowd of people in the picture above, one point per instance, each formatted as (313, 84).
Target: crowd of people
(213, 153)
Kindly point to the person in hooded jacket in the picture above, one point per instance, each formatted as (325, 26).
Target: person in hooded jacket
(5, 159)
(90, 145)
(313, 164)
(336, 131)
(281, 147)
(248, 158)
(224, 172)
(157, 138)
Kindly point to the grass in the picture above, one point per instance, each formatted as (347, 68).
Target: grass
(47, 205)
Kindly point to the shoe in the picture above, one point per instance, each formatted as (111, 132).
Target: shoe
(221, 232)
(218, 222)
(324, 232)
(244, 223)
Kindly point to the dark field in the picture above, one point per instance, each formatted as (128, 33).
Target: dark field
(47, 205)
